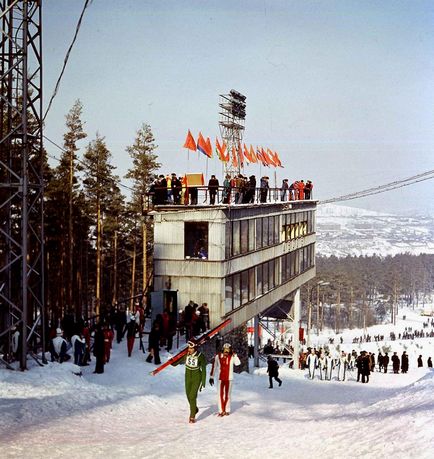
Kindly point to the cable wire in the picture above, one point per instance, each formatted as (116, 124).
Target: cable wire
(65, 61)
(428, 175)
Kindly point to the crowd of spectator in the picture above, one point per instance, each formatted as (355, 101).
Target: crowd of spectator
(174, 189)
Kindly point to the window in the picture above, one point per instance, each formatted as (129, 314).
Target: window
(264, 231)
(244, 236)
(271, 283)
(259, 289)
(265, 278)
(228, 295)
(236, 290)
(251, 235)
(258, 233)
(196, 240)
(236, 238)
(252, 284)
(244, 286)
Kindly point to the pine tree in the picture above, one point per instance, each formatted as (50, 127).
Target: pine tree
(144, 166)
(74, 133)
(98, 185)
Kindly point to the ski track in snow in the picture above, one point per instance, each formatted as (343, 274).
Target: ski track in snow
(128, 413)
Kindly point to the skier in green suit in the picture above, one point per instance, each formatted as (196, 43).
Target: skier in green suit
(195, 376)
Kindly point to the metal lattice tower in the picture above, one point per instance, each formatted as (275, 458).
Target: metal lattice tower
(21, 179)
(231, 124)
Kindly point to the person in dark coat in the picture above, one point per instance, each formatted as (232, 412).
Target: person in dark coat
(131, 329)
(264, 189)
(366, 367)
(419, 361)
(395, 362)
(429, 362)
(273, 371)
(404, 362)
(188, 319)
(161, 190)
(154, 343)
(213, 186)
(385, 362)
(176, 189)
(119, 324)
(99, 349)
(249, 196)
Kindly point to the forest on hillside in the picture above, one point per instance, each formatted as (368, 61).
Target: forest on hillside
(356, 292)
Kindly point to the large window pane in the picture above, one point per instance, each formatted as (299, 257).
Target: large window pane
(276, 229)
(258, 233)
(228, 295)
(265, 231)
(244, 287)
(235, 238)
(251, 235)
(259, 289)
(252, 284)
(265, 279)
(196, 240)
(285, 267)
(244, 236)
(271, 274)
(237, 291)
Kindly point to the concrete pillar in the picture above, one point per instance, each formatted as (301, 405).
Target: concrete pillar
(256, 341)
(296, 324)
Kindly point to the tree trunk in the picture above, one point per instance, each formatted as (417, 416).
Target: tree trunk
(98, 258)
(133, 273)
(115, 265)
(144, 256)
(70, 233)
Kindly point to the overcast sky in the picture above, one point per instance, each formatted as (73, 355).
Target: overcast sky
(343, 90)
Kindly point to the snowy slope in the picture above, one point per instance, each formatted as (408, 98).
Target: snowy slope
(126, 413)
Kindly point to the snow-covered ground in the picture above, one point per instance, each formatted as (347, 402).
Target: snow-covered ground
(126, 413)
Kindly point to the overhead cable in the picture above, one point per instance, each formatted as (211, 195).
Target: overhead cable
(65, 61)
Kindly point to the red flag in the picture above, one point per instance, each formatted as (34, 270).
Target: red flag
(271, 157)
(240, 155)
(208, 151)
(201, 144)
(253, 155)
(276, 159)
(221, 151)
(234, 157)
(189, 142)
(246, 154)
(265, 157)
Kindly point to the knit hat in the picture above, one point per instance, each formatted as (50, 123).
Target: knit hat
(58, 331)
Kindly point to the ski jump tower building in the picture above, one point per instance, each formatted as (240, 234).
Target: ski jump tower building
(244, 260)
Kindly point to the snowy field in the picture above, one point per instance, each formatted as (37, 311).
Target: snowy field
(126, 413)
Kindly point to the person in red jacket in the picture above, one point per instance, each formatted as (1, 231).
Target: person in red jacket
(301, 190)
(108, 339)
(224, 362)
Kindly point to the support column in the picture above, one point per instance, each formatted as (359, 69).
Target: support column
(296, 325)
(256, 341)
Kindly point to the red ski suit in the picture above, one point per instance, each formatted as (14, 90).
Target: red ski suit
(225, 363)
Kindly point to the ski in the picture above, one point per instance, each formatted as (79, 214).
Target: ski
(201, 339)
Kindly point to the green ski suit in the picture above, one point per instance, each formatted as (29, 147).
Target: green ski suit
(195, 378)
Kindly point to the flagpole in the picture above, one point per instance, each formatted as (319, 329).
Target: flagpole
(206, 169)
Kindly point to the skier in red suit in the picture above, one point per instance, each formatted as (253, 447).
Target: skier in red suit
(224, 362)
